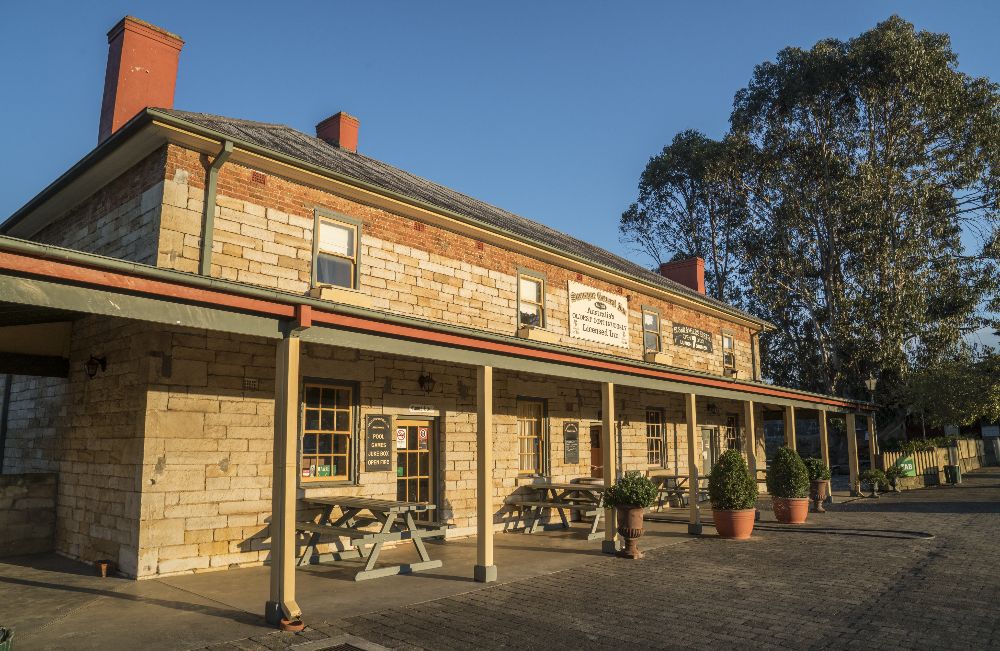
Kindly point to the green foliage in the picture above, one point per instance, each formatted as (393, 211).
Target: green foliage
(865, 175)
(787, 476)
(816, 468)
(874, 478)
(730, 486)
(893, 472)
(630, 489)
(920, 445)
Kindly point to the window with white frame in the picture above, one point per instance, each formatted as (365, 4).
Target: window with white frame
(336, 252)
(655, 447)
(530, 300)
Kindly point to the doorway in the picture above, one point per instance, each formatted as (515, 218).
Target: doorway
(416, 461)
(711, 448)
(596, 456)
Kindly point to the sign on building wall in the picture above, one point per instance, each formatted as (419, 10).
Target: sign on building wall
(571, 442)
(598, 316)
(908, 467)
(692, 338)
(378, 443)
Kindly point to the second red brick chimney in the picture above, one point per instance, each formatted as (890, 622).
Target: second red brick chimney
(142, 72)
(690, 273)
(340, 130)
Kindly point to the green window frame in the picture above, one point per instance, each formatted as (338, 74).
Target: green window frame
(336, 258)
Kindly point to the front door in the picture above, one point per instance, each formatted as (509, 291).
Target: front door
(415, 462)
(596, 456)
(710, 448)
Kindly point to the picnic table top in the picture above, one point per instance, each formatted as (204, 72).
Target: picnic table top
(582, 487)
(371, 504)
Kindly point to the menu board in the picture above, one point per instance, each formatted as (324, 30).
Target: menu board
(378, 442)
(571, 442)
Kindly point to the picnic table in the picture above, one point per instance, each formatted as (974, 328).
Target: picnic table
(676, 487)
(394, 520)
(582, 497)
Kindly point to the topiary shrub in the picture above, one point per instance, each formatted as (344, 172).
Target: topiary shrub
(730, 486)
(817, 470)
(630, 489)
(874, 478)
(787, 477)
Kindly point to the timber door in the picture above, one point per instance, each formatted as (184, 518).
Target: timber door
(596, 456)
(416, 460)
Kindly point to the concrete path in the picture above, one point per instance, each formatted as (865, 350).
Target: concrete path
(914, 570)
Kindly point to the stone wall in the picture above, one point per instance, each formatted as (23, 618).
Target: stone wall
(27, 513)
(263, 236)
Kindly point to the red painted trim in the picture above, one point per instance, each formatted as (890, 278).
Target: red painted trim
(306, 315)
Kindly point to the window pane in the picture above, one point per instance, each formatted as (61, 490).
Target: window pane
(650, 321)
(325, 444)
(312, 396)
(312, 419)
(651, 340)
(531, 315)
(531, 290)
(331, 270)
(336, 238)
(326, 421)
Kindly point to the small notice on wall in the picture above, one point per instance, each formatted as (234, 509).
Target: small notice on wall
(595, 315)
(400, 438)
(378, 443)
(692, 338)
(571, 441)
(422, 434)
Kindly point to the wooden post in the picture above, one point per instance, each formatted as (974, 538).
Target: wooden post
(691, 416)
(750, 441)
(872, 441)
(790, 426)
(485, 571)
(283, 483)
(852, 451)
(609, 545)
(824, 440)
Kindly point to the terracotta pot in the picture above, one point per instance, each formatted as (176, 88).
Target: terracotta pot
(818, 493)
(630, 528)
(737, 525)
(293, 626)
(791, 510)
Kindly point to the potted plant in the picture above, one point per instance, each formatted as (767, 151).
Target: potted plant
(630, 495)
(893, 474)
(819, 482)
(788, 484)
(874, 478)
(733, 493)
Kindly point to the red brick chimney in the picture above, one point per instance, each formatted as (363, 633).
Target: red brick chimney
(690, 273)
(340, 130)
(142, 72)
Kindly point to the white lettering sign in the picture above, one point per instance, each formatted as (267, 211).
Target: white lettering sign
(595, 315)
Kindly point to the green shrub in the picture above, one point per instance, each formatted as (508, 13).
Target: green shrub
(874, 478)
(630, 489)
(816, 468)
(730, 486)
(787, 477)
(893, 472)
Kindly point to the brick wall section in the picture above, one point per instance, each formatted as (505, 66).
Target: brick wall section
(120, 220)
(263, 236)
(27, 513)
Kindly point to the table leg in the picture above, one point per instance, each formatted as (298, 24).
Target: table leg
(417, 542)
(594, 534)
(310, 549)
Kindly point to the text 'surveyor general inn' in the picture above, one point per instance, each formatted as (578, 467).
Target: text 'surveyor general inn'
(208, 320)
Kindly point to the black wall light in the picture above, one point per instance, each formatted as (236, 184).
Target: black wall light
(426, 382)
(95, 364)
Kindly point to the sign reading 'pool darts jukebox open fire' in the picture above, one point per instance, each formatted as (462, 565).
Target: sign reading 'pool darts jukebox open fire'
(597, 316)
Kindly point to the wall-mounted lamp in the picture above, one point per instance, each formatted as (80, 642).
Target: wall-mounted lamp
(426, 382)
(95, 364)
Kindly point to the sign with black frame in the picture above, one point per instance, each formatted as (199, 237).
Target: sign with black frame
(378, 443)
(692, 338)
(571, 441)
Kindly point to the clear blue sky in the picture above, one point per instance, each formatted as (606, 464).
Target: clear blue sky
(547, 109)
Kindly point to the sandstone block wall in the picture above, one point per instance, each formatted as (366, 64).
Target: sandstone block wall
(27, 513)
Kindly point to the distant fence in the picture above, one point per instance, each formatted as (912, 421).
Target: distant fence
(929, 464)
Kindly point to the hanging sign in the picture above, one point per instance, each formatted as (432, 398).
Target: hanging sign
(378, 442)
(595, 315)
(571, 441)
(400, 438)
(692, 338)
(422, 433)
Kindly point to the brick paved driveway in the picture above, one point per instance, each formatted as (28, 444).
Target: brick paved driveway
(852, 580)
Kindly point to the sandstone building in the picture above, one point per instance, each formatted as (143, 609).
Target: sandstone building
(203, 300)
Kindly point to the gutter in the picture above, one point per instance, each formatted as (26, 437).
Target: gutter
(292, 301)
(208, 218)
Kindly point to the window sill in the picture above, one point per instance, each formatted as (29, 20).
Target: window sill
(304, 488)
(532, 333)
(528, 480)
(341, 295)
(654, 357)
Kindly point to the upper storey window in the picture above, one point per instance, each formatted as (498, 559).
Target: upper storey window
(651, 330)
(530, 299)
(728, 353)
(336, 251)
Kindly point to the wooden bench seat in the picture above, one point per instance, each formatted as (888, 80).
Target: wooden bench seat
(579, 506)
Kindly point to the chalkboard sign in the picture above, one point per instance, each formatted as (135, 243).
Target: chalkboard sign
(571, 442)
(378, 442)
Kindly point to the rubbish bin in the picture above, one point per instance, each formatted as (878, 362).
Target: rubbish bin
(6, 639)
(953, 474)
